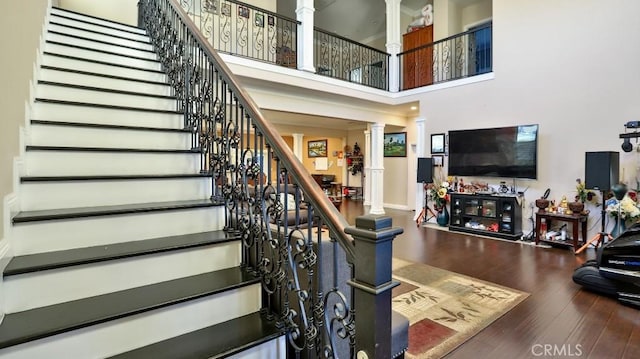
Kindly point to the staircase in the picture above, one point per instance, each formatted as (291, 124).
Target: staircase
(118, 248)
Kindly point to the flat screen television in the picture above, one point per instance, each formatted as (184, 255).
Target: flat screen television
(494, 152)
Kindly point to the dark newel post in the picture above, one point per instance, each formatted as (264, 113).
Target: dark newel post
(372, 284)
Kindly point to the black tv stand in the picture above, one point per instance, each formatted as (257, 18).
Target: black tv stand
(490, 215)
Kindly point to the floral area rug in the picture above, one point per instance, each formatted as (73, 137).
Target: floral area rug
(444, 308)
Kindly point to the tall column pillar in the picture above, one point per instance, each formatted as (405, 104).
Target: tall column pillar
(393, 43)
(421, 151)
(298, 145)
(377, 168)
(304, 14)
(366, 193)
(345, 171)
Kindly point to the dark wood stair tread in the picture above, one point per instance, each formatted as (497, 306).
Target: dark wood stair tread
(108, 149)
(99, 41)
(97, 74)
(105, 90)
(133, 29)
(54, 22)
(108, 126)
(98, 105)
(22, 327)
(67, 258)
(68, 213)
(111, 177)
(217, 341)
(106, 63)
(140, 58)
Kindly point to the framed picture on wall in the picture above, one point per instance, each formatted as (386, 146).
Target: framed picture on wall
(437, 160)
(259, 20)
(317, 148)
(395, 144)
(437, 143)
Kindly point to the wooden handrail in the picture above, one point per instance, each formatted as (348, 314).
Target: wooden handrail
(314, 194)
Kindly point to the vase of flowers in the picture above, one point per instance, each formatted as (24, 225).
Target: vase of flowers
(582, 195)
(624, 211)
(438, 193)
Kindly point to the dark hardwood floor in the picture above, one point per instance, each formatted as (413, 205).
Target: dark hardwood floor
(558, 316)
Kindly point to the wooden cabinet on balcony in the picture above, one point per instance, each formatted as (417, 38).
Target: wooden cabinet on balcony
(417, 65)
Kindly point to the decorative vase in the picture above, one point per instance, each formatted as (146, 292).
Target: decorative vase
(576, 207)
(618, 227)
(442, 217)
(542, 204)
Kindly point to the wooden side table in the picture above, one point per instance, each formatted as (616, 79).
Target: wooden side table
(573, 219)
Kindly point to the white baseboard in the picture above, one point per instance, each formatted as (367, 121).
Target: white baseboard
(396, 206)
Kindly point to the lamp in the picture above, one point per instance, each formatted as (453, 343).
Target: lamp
(626, 145)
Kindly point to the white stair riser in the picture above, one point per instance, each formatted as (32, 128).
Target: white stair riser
(48, 135)
(275, 348)
(105, 116)
(47, 236)
(99, 37)
(51, 195)
(58, 163)
(53, 92)
(114, 337)
(34, 290)
(103, 82)
(125, 51)
(57, 61)
(98, 22)
(100, 56)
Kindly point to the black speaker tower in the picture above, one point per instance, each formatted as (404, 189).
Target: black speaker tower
(425, 175)
(601, 172)
(425, 170)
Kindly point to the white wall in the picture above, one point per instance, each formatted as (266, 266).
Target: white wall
(450, 17)
(474, 13)
(569, 66)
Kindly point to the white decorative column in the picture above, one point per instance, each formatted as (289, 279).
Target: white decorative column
(377, 168)
(298, 145)
(345, 171)
(304, 14)
(366, 193)
(393, 43)
(421, 151)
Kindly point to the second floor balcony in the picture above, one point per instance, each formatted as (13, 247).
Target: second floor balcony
(248, 31)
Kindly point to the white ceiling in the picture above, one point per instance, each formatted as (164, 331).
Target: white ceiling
(354, 19)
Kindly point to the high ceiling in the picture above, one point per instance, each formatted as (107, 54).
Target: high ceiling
(356, 20)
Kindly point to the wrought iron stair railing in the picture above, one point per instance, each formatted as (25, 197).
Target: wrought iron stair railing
(291, 231)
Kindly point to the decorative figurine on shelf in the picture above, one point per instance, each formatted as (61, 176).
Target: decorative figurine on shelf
(461, 186)
(564, 205)
(425, 20)
(356, 150)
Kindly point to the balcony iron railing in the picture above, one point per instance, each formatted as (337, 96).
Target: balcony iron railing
(242, 29)
(455, 57)
(338, 57)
